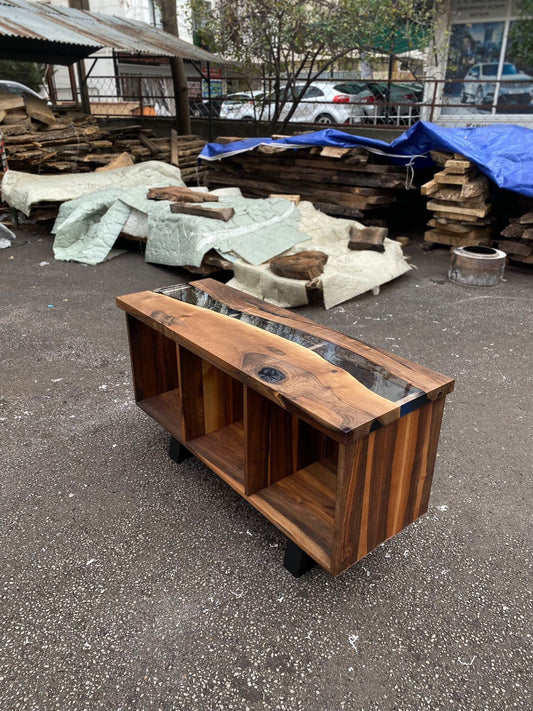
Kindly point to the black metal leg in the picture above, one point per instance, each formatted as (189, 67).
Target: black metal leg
(296, 561)
(177, 452)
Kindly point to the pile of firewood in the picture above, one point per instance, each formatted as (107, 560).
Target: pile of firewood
(346, 182)
(518, 242)
(459, 200)
(37, 140)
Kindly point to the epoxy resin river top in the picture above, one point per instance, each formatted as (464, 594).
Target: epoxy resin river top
(332, 440)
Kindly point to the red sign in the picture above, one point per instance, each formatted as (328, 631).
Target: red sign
(213, 74)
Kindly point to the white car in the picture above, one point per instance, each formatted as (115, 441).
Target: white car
(323, 103)
(243, 106)
(515, 87)
(15, 87)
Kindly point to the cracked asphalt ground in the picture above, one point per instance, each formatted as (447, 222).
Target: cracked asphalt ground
(131, 583)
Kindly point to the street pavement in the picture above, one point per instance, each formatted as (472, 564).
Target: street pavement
(131, 583)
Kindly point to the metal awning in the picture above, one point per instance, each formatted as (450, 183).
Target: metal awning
(53, 34)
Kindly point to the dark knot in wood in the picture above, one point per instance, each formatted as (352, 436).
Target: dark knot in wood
(271, 375)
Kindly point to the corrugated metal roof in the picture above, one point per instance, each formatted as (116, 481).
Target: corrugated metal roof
(68, 26)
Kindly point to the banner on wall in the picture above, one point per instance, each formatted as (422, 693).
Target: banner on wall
(484, 76)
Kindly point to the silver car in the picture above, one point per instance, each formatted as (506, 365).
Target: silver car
(14, 87)
(515, 87)
(324, 103)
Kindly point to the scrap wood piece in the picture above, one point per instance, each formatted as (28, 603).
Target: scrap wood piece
(293, 198)
(153, 147)
(475, 188)
(465, 240)
(457, 166)
(304, 265)
(176, 194)
(521, 259)
(271, 149)
(174, 155)
(230, 139)
(10, 101)
(429, 188)
(440, 157)
(514, 230)
(14, 117)
(458, 228)
(39, 110)
(122, 161)
(451, 217)
(512, 247)
(446, 178)
(468, 194)
(334, 152)
(367, 238)
(527, 219)
(452, 210)
(216, 213)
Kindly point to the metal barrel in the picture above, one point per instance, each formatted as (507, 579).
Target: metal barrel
(477, 266)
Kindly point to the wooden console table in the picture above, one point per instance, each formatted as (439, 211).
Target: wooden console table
(332, 440)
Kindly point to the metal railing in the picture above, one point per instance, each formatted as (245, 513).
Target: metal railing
(446, 101)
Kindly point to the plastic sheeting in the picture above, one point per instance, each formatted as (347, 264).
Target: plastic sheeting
(504, 153)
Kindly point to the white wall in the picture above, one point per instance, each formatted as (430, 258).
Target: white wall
(139, 10)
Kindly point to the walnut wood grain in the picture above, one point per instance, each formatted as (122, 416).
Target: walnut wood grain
(153, 360)
(429, 381)
(192, 393)
(310, 387)
(301, 450)
(384, 483)
(257, 442)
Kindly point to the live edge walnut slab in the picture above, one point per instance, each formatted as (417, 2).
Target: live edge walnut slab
(332, 440)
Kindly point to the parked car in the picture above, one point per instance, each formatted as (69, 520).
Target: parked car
(200, 107)
(322, 102)
(14, 87)
(516, 86)
(383, 105)
(243, 106)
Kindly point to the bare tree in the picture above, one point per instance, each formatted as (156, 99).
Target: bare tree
(291, 43)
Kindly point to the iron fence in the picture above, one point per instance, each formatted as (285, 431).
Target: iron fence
(395, 104)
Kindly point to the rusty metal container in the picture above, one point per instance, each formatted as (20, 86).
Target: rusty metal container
(477, 266)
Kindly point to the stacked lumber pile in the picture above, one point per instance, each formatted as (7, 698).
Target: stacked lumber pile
(459, 199)
(518, 239)
(338, 181)
(38, 140)
(182, 151)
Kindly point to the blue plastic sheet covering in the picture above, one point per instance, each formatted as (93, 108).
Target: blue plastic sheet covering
(504, 153)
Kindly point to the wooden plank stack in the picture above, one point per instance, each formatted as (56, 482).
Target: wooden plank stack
(37, 140)
(182, 151)
(518, 239)
(459, 199)
(339, 181)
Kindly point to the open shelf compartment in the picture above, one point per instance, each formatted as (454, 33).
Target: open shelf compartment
(339, 476)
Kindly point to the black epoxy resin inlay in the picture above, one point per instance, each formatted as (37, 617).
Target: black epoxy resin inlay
(374, 377)
(271, 375)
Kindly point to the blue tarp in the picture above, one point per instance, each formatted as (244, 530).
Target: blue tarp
(502, 152)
